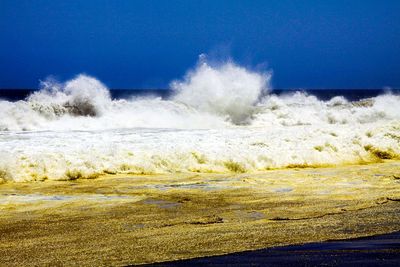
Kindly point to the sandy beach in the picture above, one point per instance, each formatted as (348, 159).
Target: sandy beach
(135, 219)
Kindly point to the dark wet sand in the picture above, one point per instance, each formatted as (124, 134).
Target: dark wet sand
(380, 250)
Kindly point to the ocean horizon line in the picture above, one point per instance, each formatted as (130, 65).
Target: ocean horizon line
(274, 89)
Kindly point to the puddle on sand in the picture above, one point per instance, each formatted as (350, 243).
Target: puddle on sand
(324, 192)
(256, 215)
(249, 215)
(26, 199)
(201, 186)
(283, 190)
(161, 203)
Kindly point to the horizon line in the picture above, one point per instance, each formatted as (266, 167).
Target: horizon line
(273, 89)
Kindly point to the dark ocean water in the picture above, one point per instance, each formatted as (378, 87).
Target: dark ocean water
(323, 94)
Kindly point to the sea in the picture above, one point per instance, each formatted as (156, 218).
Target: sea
(325, 94)
(213, 120)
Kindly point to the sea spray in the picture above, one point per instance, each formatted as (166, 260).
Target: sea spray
(219, 119)
(228, 90)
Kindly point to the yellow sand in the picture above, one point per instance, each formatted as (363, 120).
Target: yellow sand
(125, 219)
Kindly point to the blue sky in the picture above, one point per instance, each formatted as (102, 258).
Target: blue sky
(142, 44)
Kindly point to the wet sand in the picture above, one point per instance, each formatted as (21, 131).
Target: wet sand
(381, 250)
(128, 219)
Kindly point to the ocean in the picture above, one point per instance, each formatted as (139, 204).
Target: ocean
(117, 94)
(214, 120)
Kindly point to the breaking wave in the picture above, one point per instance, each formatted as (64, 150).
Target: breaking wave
(219, 119)
(208, 97)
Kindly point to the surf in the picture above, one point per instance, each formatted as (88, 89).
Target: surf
(218, 118)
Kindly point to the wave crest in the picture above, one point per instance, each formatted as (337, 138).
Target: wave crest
(228, 90)
(81, 96)
(219, 119)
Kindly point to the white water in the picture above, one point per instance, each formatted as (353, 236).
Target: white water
(218, 120)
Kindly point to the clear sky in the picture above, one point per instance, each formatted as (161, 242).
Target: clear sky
(142, 44)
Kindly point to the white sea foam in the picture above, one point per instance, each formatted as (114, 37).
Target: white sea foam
(219, 119)
(228, 91)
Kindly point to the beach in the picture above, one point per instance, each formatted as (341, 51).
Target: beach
(137, 219)
(220, 165)
(199, 133)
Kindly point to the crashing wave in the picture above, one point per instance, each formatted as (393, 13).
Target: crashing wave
(207, 97)
(82, 96)
(219, 119)
(229, 90)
